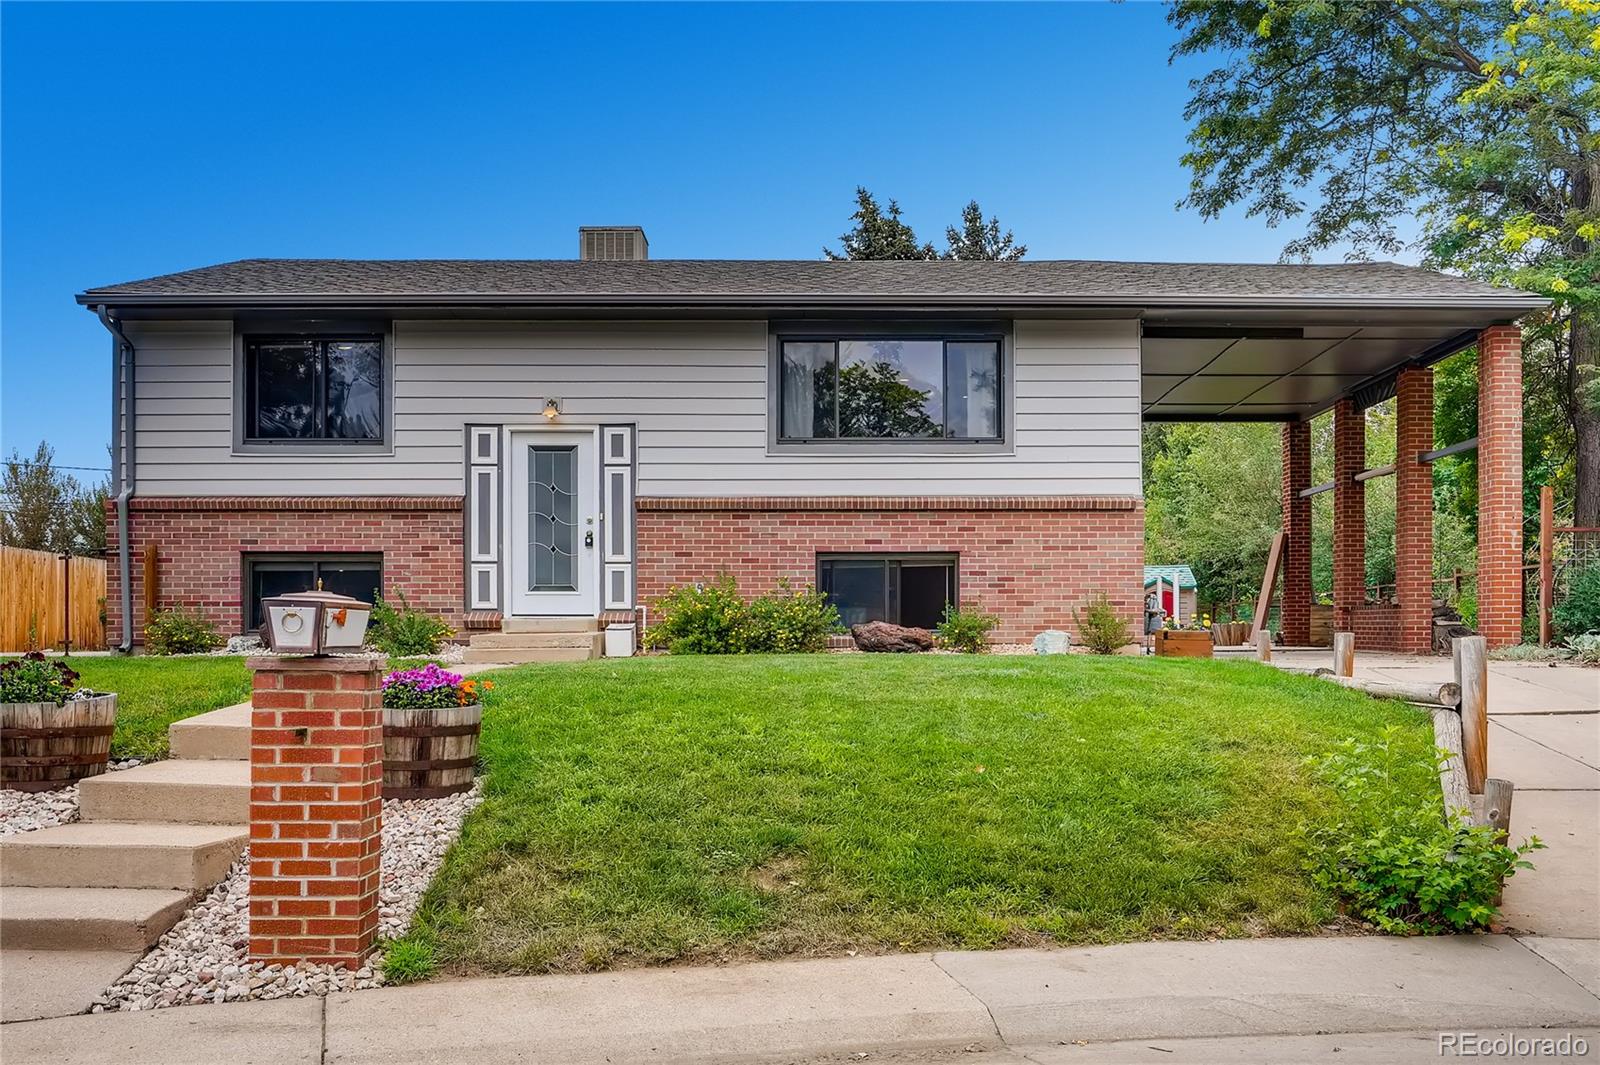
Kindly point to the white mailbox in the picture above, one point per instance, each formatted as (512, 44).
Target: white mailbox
(319, 622)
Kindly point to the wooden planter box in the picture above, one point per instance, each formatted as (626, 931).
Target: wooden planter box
(428, 754)
(1183, 643)
(44, 746)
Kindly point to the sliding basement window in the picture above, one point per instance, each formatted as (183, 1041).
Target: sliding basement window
(908, 589)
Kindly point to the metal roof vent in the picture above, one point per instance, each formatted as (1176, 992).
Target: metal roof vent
(612, 242)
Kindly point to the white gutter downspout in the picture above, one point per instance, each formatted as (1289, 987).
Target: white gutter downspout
(122, 398)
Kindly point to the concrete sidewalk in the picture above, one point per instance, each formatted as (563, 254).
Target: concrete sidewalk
(1237, 1000)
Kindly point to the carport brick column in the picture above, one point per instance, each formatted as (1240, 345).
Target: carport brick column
(1413, 520)
(1296, 602)
(316, 808)
(1349, 513)
(1500, 485)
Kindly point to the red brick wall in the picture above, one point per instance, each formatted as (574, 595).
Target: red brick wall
(1296, 601)
(1377, 627)
(1413, 526)
(1500, 485)
(1032, 561)
(201, 543)
(1349, 513)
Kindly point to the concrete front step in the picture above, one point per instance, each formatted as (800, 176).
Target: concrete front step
(110, 854)
(508, 625)
(83, 918)
(527, 641)
(203, 792)
(220, 735)
(518, 655)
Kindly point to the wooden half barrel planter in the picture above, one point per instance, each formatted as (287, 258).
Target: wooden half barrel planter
(1184, 643)
(44, 746)
(428, 754)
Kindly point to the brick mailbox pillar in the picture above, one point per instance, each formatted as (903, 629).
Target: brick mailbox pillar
(316, 808)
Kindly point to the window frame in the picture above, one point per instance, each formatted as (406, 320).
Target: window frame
(813, 333)
(250, 559)
(892, 558)
(266, 331)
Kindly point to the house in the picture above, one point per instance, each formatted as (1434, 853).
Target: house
(553, 444)
(1168, 578)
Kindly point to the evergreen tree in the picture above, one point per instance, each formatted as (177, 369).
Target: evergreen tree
(977, 239)
(879, 234)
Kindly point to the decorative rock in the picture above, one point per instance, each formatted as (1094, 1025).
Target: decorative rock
(243, 645)
(1051, 642)
(882, 636)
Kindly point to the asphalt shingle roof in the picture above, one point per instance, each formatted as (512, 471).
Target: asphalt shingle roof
(704, 280)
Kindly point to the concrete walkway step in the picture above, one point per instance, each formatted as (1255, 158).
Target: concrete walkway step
(518, 655)
(76, 918)
(527, 625)
(110, 854)
(219, 735)
(206, 792)
(530, 640)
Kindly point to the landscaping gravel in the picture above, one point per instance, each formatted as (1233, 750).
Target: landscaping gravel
(204, 958)
(25, 811)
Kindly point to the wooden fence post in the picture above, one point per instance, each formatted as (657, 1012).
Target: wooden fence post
(1471, 655)
(1344, 654)
(1547, 595)
(1263, 645)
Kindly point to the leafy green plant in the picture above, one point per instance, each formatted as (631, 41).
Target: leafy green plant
(405, 630)
(1578, 612)
(180, 631)
(1586, 648)
(1467, 606)
(965, 630)
(714, 619)
(32, 679)
(790, 621)
(1394, 856)
(1099, 627)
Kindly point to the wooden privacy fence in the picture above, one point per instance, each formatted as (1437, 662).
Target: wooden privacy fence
(46, 600)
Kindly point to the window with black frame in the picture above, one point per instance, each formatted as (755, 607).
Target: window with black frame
(314, 388)
(359, 576)
(907, 590)
(893, 388)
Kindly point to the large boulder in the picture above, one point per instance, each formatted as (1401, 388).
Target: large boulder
(882, 636)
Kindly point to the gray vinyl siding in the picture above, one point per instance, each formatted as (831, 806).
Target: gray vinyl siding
(696, 390)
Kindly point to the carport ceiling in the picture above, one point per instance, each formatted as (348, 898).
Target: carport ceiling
(1199, 370)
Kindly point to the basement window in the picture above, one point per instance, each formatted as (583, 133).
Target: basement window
(909, 589)
(359, 576)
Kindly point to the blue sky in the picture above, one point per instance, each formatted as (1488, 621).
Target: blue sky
(140, 139)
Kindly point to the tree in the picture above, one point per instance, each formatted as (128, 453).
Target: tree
(977, 239)
(879, 234)
(44, 509)
(1476, 117)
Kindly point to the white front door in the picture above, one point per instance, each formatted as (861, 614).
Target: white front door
(555, 524)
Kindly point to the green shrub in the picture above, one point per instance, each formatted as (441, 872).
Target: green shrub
(31, 679)
(1099, 627)
(180, 631)
(1578, 612)
(713, 619)
(790, 621)
(1390, 853)
(406, 630)
(1586, 648)
(965, 630)
(1467, 607)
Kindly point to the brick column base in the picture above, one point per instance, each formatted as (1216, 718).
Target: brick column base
(316, 808)
(1413, 511)
(1349, 513)
(1500, 485)
(1295, 613)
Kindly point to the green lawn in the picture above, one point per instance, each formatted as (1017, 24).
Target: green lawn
(154, 692)
(665, 809)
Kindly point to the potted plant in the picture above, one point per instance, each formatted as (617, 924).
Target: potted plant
(431, 720)
(1191, 641)
(52, 732)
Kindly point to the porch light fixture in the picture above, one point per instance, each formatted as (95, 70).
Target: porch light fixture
(315, 622)
(552, 409)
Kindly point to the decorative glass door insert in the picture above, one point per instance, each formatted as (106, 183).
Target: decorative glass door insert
(552, 525)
